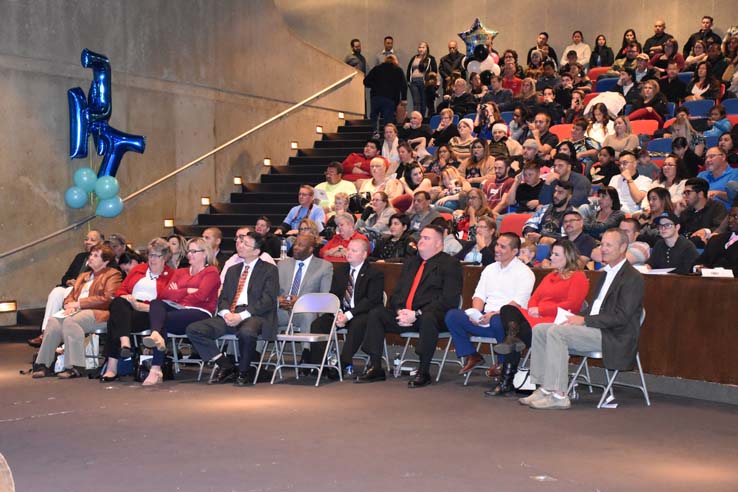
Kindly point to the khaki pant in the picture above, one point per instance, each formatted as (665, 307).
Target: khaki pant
(71, 331)
(549, 365)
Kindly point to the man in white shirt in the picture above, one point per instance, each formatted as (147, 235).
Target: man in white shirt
(247, 306)
(334, 183)
(611, 325)
(506, 281)
(632, 187)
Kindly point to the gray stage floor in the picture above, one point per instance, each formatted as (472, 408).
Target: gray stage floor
(186, 436)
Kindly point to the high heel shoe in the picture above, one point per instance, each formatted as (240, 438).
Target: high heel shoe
(109, 379)
(154, 378)
(126, 352)
(155, 340)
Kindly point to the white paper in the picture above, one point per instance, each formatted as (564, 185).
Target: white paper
(654, 271)
(562, 316)
(475, 315)
(60, 314)
(717, 272)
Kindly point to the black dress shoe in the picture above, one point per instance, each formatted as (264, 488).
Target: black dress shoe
(245, 378)
(109, 379)
(371, 376)
(421, 379)
(222, 375)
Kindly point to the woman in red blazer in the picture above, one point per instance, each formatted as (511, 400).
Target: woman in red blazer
(191, 295)
(129, 310)
(566, 287)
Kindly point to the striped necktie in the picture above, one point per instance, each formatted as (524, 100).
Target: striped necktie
(298, 278)
(349, 291)
(239, 289)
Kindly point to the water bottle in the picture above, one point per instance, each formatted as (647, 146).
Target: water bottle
(397, 368)
(283, 249)
(349, 370)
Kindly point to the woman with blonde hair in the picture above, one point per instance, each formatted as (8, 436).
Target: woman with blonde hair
(191, 295)
(389, 146)
(652, 105)
(449, 193)
(623, 138)
(476, 206)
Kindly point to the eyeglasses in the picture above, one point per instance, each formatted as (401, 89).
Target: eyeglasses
(711, 156)
(304, 194)
(154, 255)
(733, 216)
(241, 237)
(664, 225)
(193, 251)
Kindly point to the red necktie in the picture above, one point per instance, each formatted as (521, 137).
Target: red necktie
(241, 283)
(416, 281)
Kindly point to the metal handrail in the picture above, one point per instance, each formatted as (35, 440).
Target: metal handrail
(186, 166)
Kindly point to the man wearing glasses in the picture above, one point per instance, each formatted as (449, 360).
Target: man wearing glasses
(722, 249)
(334, 183)
(718, 175)
(703, 215)
(247, 307)
(305, 209)
(672, 250)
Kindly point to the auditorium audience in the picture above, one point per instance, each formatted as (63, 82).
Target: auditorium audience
(672, 176)
(334, 184)
(605, 215)
(398, 244)
(452, 189)
(461, 145)
(659, 202)
(129, 309)
(84, 310)
(479, 164)
(631, 186)
(525, 189)
(722, 249)
(390, 143)
(335, 249)
(378, 217)
(718, 174)
(305, 209)
(380, 181)
(703, 215)
(545, 225)
(178, 250)
(672, 250)
(480, 250)
(564, 288)
(562, 171)
(214, 236)
(356, 166)
(191, 295)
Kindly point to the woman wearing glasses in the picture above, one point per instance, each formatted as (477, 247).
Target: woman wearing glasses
(129, 310)
(191, 295)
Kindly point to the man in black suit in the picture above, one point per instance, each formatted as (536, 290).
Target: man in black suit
(359, 286)
(611, 325)
(722, 249)
(430, 285)
(247, 306)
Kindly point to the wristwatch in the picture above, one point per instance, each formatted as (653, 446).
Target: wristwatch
(418, 313)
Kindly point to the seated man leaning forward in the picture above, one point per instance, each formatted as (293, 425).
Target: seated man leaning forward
(305, 209)
(507, 281)
(247, 307)
(610, 325)
(429, 285)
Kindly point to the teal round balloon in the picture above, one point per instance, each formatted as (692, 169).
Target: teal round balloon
(110, 207)
(85, 178)
(106, 187)
(75, 197)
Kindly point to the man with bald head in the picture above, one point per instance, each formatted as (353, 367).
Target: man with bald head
(414, 131)
(213, 236)
(450, 63)
(610, 325)
(655, 44)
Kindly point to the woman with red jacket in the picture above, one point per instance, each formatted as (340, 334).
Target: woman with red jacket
(129, 310)
(191, 295)
(566, 288)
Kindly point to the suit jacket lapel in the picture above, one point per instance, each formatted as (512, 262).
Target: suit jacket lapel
(307, 274)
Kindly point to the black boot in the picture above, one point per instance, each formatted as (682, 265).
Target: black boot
(505, 383)
(511, 343)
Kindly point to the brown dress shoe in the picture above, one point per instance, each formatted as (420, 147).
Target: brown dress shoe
(472, 361)
(36, 342)
(494, 371)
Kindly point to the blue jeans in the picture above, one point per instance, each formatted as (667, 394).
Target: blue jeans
(384, 106)
(417, 89)
(461, 328)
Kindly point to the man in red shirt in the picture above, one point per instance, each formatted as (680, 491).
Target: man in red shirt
(356, 166)
(509, 80)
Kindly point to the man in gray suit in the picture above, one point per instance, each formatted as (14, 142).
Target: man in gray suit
(301, 274)
(247, 306)
(610, 325)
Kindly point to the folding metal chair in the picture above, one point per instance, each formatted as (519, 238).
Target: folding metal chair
(177, 341)
(491, 341)
(610, 379)
(311, 303)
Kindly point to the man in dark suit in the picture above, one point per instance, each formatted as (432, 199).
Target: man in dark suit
(430, 285)
(722, 249)
(359, 286)
(247, 306)
(611, 325)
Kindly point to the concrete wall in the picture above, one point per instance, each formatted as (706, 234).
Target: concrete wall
(331, 24)
(187, 74)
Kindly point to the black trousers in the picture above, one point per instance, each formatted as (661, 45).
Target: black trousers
(203, 334)
(123, 320)
(354, 338)
(509, 315)
(382, 320)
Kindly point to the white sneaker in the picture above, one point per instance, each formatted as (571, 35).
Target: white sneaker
(551, 402)
(536, 395)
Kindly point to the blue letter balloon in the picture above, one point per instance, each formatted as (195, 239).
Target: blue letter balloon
(85, 178)
(110, 207)
(75, 197)
(106, 187)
